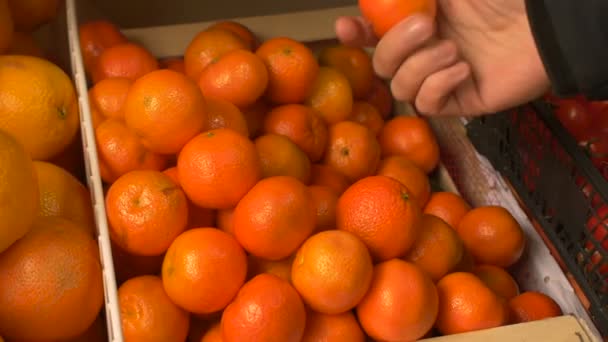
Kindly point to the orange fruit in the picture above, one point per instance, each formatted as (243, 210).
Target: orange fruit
(95, 37)
(240, 30)
(292, 70)
(108, 97)
(24, 44)
(204, 269)
(255, 115)
(381, 212)
(280, 268)
(147, 313)
(274, 218)
(412, 138)
(331, 96)
(19, 191)
(128, 266)
(332, 271)
(61, 194)
(6, 26)
(128, 60)
(218, 168)
(165, 109)
(392, 311)
(214, 334)
(467, 304)
(341, 327)
(225, 220)
(367, 115)
(380, 96)
(386, 14)
(533, 306)
(208, 47)
(120, 151)
(325, 200)
(410, 175)
(438, 248)
(352, 150)
(498, 280)
(448, 206)
(29, 15)
(302, 125)
(279, 312)
(492, 236)
(328, 176)
(279, 156)
(355, 63)
(56, 262)
(175, 64)
(146, 211)
(31, 112)
(223, 114)
(239, 77)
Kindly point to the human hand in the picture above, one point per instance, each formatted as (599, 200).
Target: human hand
(478, 57)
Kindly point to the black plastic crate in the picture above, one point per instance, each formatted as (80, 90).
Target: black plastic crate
(560, 186)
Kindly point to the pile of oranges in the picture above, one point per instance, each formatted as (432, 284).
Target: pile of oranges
(262, 191)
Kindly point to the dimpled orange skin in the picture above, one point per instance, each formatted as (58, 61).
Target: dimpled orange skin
(381, 212)
(384, 14)
(341, 328)
(166, 110)
(127, 60)
(146, 211)
(467, 304)
(275, 217)
(217, 168)
(109, 97)
(204, 269)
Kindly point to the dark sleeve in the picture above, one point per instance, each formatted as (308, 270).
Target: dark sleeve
(572, 39)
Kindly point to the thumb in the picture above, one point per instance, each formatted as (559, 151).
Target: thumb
(355, 31)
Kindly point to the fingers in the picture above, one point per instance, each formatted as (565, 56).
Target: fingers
(355, 31)
(436, 92)
(411, 74)
(400, 42)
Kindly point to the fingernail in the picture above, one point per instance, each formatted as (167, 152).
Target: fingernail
(418, 27)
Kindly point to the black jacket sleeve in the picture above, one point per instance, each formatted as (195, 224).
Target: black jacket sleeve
(572, 39)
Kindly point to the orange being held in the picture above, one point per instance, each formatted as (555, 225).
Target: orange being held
(467, 304)
(280, 268)
(498, 280)
(279, 156)
(325, 200)
(146, 212)
(380, 97)
(391, 311)
(352, 150)
(7, 28)
(279, 316)
(207, 47)
(410, 175)
(355, 63)
(292, 70)
(448, 206)
(386, 14)
(165, 109)
(383, 213)
(328, 176)
(217, 168)
(341, 327)
(147, 313)
(203, 270)
(238, 29)
(367, 115)
(332, 271)
(492, 235)
(223, 114)
(331, 95)
(412, 138)
(239, 77)
(275, 217)
(56, 262)
(301, 124)
(95, 37)
(128, 60)
(438, 248)
(120, 151)
(108, 97)
(532, 306)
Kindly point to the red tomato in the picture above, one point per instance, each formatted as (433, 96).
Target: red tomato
(575, 117)
(384, 14)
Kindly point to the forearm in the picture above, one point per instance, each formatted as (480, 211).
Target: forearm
(572, 39)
